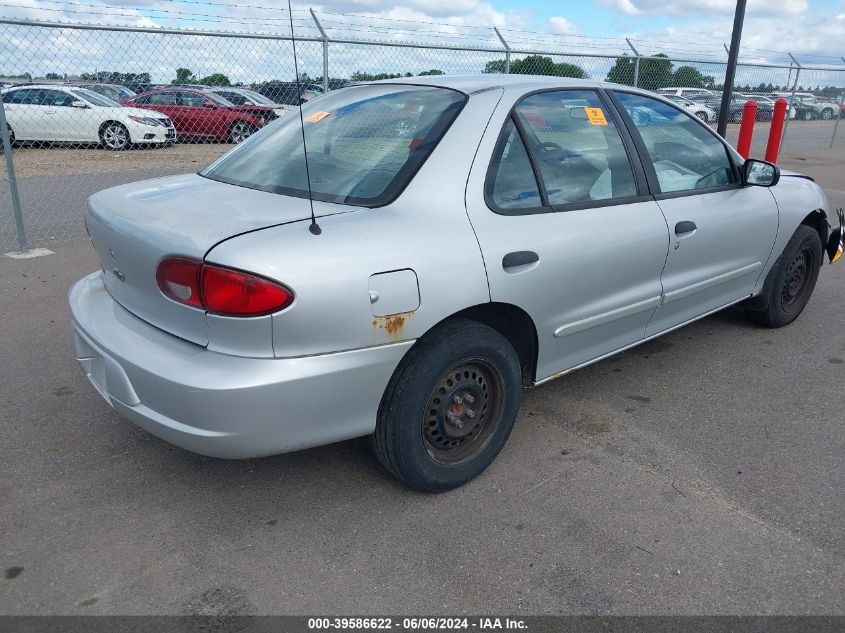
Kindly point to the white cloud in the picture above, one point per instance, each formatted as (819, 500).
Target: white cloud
(561, 26)
(689, 8)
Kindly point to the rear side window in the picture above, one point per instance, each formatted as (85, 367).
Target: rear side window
(686, 155)
(568, 140)
(514, 184)
(364, 144)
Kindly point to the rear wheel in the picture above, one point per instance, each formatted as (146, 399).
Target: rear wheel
(450, 406)
(11, 137)
(240, 131)
(807, 115)
(114, 136)
(792, 279)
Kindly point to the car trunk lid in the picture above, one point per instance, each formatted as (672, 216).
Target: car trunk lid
(133, 227)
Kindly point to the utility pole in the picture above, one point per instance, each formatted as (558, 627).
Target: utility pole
(730, 71)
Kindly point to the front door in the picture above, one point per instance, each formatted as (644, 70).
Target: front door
(722, 233)
(565, 225)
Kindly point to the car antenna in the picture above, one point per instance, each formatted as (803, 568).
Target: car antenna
(314, 228)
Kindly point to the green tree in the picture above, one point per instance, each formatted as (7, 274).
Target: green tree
(433, 71)
(542, 65)
(622, 71)
(184, 76)
(53, 76)
(689, 77)
(215, 79)
(497, 66)
(655, 72)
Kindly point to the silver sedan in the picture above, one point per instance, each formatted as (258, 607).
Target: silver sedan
(473, 236)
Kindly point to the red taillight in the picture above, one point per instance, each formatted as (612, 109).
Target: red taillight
(220, 290)
(179, 279)
(236, 293)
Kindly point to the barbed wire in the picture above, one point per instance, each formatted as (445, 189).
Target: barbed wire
(383, 26)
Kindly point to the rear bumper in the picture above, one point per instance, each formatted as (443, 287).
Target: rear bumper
(221, 405)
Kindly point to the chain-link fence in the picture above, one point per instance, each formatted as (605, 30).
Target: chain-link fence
(90, 107)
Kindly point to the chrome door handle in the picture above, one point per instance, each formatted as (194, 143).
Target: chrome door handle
(686, 226)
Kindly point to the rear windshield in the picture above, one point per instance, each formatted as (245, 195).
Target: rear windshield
(364, 144)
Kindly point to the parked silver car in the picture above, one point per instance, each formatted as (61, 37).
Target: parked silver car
(476, 236)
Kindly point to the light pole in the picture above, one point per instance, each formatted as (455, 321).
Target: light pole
(730, 71)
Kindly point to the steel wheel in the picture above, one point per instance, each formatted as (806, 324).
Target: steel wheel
(115, 136)
(464, 411)
(702, 116)
(827, 115)
(796, 281)
(808, 116)
(240, 131)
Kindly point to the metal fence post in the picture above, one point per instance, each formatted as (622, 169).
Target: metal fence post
(791, 97)
(839, 115)
(507, 51)
(636, 63)
(325, 50)
(13, 182)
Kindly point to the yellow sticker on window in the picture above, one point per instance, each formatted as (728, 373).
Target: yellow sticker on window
(317, 116)
(595, 116)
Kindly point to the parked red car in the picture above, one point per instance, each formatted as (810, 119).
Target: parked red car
(199, 114)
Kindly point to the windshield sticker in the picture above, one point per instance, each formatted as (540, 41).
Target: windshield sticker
(595, 116)
(317, 116)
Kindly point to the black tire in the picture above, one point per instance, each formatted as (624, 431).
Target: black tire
(114, 136)
(827, 114)
(807, 115)
(791, 281)
(11, 137)
(418, 437)
(702, 116)
(239, 131)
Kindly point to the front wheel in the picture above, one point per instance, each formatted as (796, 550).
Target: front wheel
(791, 281)
(449, 407)
(115, 136)
(702, 116)
(827, 114)
(240, 131)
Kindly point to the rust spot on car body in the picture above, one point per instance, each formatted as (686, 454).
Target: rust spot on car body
(392, 323)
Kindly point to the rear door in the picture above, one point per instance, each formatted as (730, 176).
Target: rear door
(722, 233)
(23, 113)
(559, 203)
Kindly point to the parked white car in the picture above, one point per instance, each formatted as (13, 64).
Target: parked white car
(78, 115)
(689, 93)
(243, 96)
(703, 112)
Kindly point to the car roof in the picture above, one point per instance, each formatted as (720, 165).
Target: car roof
(480, 82)
(42, 86)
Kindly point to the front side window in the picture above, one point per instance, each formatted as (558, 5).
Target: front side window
(234, 97)
(686, 155)
(576, 147)
(364, 144)
(56, 98)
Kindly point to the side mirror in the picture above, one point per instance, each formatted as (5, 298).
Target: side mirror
(78, 104)
(760, 173)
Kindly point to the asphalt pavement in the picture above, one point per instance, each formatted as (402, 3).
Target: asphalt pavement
(700, 473)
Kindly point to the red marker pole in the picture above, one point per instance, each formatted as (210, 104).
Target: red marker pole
(776, 131)
(746, 128)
